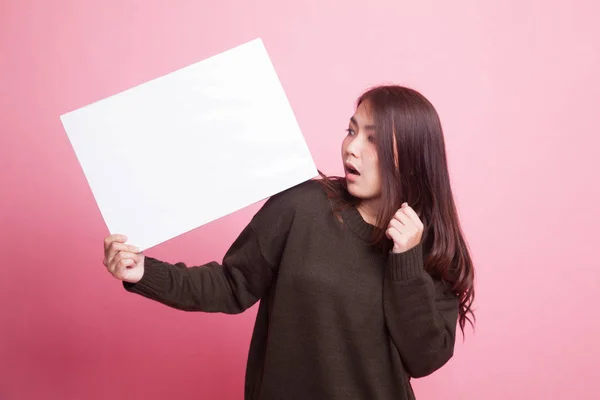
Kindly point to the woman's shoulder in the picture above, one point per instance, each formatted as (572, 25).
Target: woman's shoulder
(306, 198)
(306, 195)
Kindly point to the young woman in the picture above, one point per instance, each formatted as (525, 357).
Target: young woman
(361, 279)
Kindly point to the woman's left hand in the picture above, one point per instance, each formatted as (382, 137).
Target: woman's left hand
(405, 229)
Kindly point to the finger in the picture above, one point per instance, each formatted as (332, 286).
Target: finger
(394, 235)
(113, 250)
(410, 212)
(112, 238)
(404, 219)
(120, 256)
(120, 271)
(399, 226)
(115, 247)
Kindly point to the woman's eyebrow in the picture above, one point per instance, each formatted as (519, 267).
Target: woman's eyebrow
(366, 127)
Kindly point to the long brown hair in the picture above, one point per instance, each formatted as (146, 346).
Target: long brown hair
(413, 165)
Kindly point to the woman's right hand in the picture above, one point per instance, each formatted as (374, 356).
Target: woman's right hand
(124, 262)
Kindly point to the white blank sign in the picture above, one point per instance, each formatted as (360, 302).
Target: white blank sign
(177, 152)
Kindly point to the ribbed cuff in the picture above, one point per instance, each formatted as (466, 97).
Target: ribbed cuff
(153, 281)
(407, 265)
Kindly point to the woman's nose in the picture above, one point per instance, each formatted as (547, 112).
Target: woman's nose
(353, 147)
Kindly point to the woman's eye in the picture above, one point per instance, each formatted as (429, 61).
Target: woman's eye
(350, 132)
(371, 138)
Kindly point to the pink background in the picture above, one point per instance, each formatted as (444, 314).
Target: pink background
(515, 82)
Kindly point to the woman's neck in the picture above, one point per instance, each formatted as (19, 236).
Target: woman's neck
(368, 211)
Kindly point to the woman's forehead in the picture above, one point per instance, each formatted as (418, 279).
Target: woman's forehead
(363, 116)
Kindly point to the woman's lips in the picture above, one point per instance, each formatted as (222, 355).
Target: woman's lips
(351, 174)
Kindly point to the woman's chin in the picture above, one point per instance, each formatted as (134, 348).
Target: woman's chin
(362, 194)
(356, 191)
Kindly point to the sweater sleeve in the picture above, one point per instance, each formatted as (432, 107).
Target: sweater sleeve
(420, 312)
(244, 276)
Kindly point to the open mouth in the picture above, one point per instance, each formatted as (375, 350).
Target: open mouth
(352, 171)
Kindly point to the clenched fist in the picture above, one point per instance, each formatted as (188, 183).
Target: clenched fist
(405, 229)
(123, 261)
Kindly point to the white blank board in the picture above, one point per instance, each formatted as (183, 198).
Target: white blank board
(182, 150)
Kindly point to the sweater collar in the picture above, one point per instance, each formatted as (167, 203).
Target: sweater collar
(357, 224)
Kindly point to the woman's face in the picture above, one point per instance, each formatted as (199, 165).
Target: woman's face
(359, 155)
